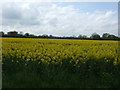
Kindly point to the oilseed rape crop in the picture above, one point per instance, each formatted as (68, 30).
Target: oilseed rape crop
(53, 57)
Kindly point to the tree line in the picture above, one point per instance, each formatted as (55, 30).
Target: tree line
(94, 36)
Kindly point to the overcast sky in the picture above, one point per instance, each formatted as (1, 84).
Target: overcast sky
(61, 18)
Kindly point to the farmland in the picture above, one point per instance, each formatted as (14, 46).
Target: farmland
(67, 63)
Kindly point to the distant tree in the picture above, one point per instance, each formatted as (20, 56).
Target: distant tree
(2, 34)
(45, 36)
(26, 34)
(12, 33)
(82, 36)
(32, 35)
(105, 36)
(112, 37)
(95, 36)
(71, 37)
(50, 36)
(109, 36)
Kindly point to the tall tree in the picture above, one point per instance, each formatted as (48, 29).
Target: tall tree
(95, 36)
(105, 36)
(26, 34)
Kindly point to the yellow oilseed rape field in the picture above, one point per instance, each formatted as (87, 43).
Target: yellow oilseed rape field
(67, 63)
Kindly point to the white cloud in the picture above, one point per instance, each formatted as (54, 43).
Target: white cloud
(50, 18)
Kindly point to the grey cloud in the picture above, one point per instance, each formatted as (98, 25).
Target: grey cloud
(14, 13)
(11, 11)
